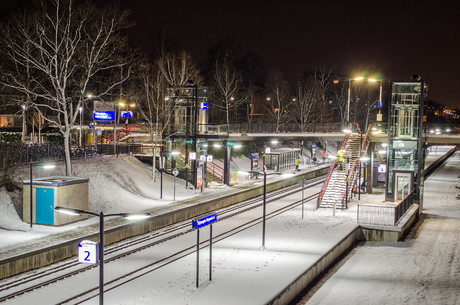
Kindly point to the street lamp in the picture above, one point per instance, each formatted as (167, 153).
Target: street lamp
(81, 110)
(47, 166)
(349, 96)
(264, 210)
(23, 122)
(101, 215)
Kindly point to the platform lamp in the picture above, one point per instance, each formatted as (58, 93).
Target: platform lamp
(81, 113)
(31, 165)
(101, 215)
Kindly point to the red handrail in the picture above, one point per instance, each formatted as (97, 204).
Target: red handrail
(354, 163)
(331, 169)
(120, 133)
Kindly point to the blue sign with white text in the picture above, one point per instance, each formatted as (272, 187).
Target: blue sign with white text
(125, 114)
(104, 115)
(204, 106)
(198, 223)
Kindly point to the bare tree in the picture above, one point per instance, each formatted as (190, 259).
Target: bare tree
(323, 76)
(146, 89)
(339, 100)
(227, 86)
(178, 68)
(307, 94)
(278, 100)
(63, 49)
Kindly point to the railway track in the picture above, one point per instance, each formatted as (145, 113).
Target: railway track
(69, 268)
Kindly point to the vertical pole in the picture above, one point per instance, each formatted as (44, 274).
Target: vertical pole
(348, 104)
(210, 252)
(161, 184)
(115, 130)
(359, 187)
(81, 109)
(101, 258)
(346, 196)
(303, 181)
(197, 256)
(31, 195)
(264, 208)
(174, 189)
(161, 173)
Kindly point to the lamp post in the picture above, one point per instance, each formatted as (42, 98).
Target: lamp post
(175, 171)
(23, 122)
(81, 110)
(48, 166)
(101, 215)
(264, 210)
(349, 96)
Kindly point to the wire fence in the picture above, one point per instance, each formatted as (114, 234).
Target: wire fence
(20, 153)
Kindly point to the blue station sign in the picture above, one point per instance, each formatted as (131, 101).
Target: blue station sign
(104, 115)
(198, 223)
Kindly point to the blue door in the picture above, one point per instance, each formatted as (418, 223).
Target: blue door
(44, 206)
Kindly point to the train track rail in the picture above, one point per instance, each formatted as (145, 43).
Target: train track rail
(69, 268)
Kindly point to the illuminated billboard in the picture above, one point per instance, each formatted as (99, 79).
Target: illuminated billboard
(104, 111)
(104, 115)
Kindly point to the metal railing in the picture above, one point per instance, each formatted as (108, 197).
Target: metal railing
(384, 215)
(285, 127)
(329, 174)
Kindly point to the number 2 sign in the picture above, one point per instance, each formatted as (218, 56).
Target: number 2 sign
(88, 252)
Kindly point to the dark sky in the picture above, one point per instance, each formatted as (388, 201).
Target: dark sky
(395, 38)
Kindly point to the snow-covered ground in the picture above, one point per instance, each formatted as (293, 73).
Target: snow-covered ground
(116, 185)
(424, 269)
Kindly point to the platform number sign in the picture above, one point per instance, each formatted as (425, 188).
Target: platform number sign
(88, 252)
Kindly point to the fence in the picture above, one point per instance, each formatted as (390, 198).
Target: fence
(383, 215)
(285, 127)
(21, 153)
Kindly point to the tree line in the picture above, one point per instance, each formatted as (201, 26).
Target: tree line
(57, 55)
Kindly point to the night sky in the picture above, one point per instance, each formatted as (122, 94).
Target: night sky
(393, 38)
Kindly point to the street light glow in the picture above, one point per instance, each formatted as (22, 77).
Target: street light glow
(67, 211)
(130, 216)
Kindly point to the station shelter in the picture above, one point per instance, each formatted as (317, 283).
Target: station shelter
(281, 159)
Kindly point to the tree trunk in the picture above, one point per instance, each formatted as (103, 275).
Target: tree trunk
(68, 164)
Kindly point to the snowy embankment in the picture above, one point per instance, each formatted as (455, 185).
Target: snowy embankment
(116, 185)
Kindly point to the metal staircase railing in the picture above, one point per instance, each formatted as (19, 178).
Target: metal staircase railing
(352, 173)
(120, 134)
(329, 174)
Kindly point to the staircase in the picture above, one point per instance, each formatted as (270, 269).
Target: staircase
(334, 190)
(122, 133)
(214, 171)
